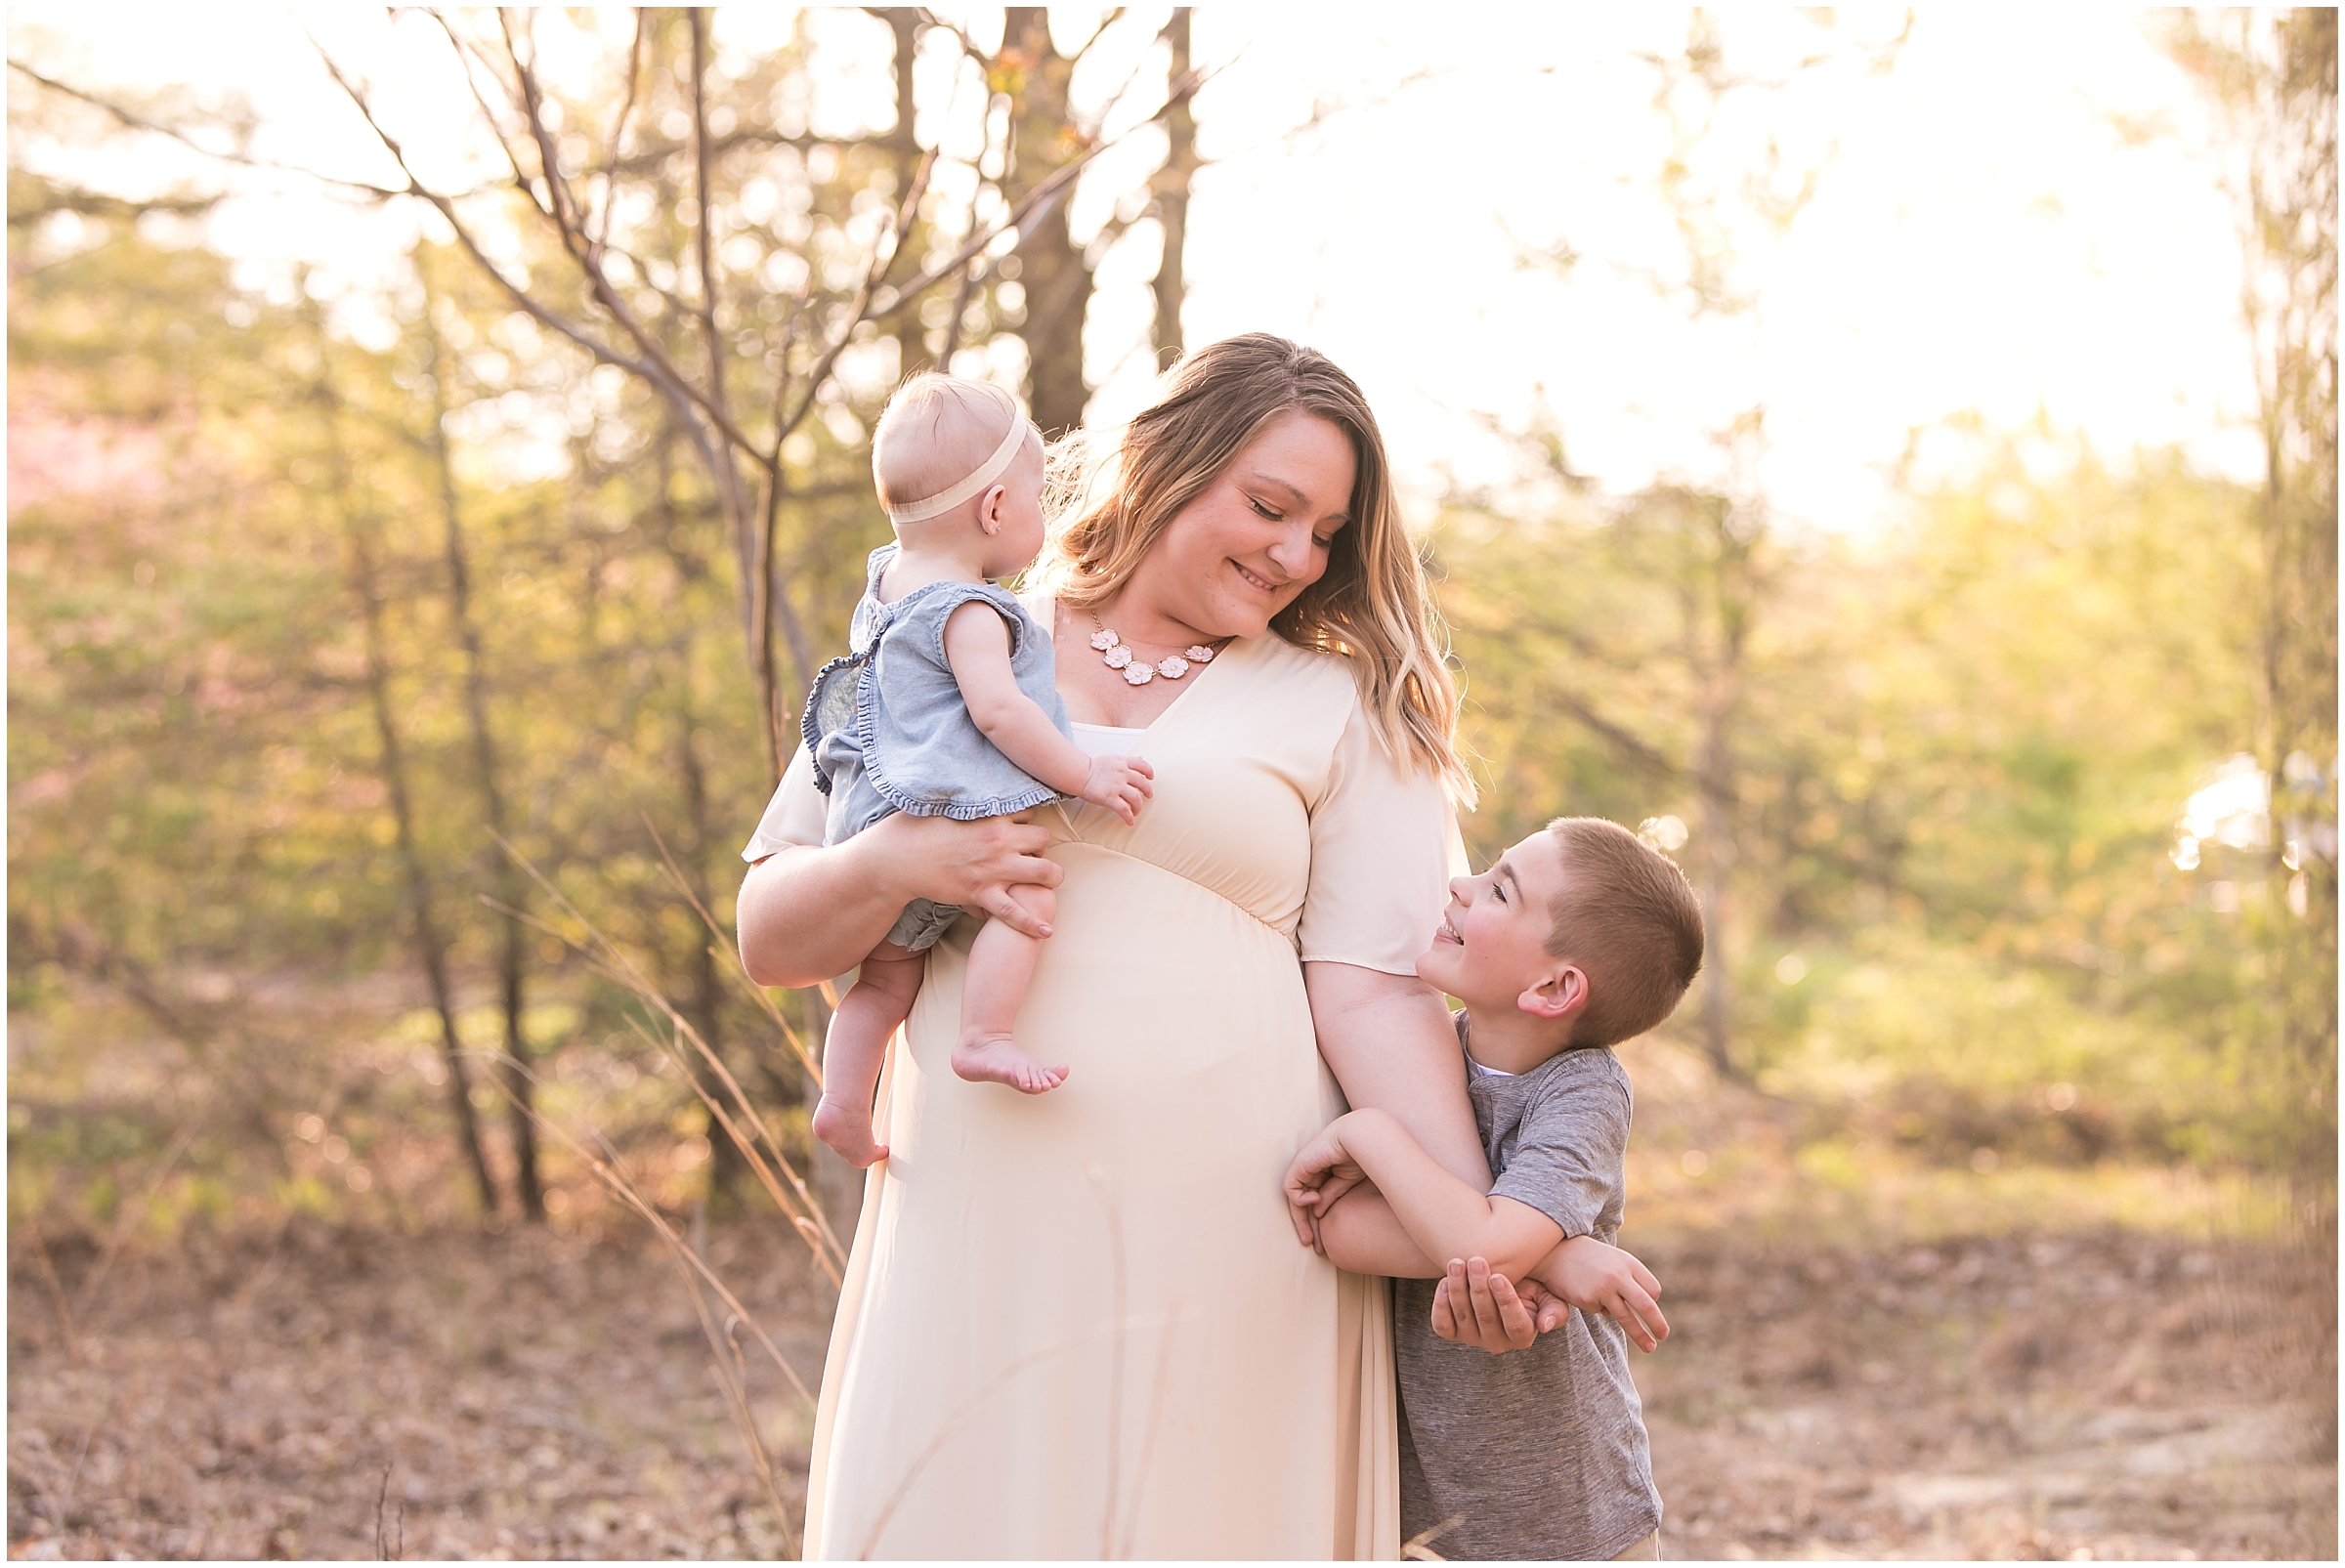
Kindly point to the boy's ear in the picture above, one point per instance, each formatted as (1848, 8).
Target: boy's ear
(1561, 993)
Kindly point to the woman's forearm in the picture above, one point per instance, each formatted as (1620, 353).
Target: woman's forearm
(808, 912)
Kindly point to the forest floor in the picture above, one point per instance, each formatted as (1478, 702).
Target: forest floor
(1871, 1357)
(338, 1393)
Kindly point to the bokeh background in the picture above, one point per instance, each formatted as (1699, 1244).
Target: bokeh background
(1890, 459)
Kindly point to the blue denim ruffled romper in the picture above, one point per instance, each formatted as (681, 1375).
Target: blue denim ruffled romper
(889, 731)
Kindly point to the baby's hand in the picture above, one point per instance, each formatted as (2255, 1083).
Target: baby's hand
(1120, 784)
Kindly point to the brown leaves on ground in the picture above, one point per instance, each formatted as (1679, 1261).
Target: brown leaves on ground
(2110, 1396)
(529, 1395)
(513, 1395)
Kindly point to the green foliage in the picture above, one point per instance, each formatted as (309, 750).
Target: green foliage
(205, 868)
(1957, 749)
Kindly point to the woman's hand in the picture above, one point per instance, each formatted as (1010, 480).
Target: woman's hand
(1323, 1172)
(1472, 1306)
(1477, 1307)
(809, 912)
(973, 865)
(1120, 784)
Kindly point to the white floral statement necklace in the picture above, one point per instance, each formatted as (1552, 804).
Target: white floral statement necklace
(1118, 656)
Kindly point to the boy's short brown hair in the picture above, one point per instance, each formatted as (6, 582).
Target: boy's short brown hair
(1628, 917)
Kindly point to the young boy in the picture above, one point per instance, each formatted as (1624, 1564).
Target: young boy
(1580, 936)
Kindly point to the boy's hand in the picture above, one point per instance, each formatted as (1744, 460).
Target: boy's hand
(1120, 784)
(1472, 1306)
(1598, 1278)
(1547, 1309)
(1323, 1172)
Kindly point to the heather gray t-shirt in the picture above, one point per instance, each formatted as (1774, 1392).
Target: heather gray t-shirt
(1543, 1451)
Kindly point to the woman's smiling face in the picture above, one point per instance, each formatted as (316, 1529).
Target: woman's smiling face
(1258, 534)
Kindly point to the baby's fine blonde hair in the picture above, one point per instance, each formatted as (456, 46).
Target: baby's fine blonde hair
(935, 431)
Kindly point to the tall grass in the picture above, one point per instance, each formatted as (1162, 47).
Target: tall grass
(664, 1026)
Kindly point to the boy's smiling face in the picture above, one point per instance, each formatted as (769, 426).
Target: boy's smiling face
(1491, 946)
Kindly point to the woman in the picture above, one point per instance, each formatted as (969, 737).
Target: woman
(1078, 1325)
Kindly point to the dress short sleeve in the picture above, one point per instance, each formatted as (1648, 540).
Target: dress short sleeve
(1383, 845)
(795, 817)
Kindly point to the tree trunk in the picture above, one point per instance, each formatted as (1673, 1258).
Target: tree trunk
(727, 1165)
(1731, 599)
(904, 21)
(431, 951)
(2292, 309)
(1050, 270)
(1172, 193)
(513, 1071)
(1717, 861)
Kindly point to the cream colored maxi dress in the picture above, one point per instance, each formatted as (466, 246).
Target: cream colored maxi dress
(1078, 1325)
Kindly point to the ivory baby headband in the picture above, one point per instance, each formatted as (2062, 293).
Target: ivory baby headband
(982, 475)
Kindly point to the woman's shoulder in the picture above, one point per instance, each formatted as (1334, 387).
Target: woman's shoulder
(1311, 677)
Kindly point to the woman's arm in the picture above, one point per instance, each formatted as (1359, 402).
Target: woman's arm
(809, 912)
(1445, 1216)
(1391, 1044)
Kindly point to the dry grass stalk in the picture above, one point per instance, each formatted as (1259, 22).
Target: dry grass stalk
(739, 1120)
(728, 959)
(386, 1548)
(126, 1220)
(1419, 1547)
(609, 1169)
(733, 1380)
(56, 1291)
(780, 1176)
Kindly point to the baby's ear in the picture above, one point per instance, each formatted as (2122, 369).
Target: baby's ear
(1560, 992)
(988, 510)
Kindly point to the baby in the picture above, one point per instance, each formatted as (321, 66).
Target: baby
(947, 708)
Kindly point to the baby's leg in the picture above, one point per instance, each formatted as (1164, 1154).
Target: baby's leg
(1001, 963)
(868, 1016)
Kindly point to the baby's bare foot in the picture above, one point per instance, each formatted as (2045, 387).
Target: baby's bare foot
(838, 1125)
(997, 1059)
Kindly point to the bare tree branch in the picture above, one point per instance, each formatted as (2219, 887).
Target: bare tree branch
(130, 120)
(883, 257)
(618, 128)
(705, 240)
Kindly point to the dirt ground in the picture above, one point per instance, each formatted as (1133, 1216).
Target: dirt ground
(2108, 1396)
(325, 1393)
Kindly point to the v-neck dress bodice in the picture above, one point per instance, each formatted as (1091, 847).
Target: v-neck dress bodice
(1077, 1325)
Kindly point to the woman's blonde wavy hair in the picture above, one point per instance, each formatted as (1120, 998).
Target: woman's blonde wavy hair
(1111, 496)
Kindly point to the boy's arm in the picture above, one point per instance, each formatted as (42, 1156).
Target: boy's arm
(1443, 1217)
(1358, 1230)
(1599, 1277)
(1361, 1233)
(977, 648)
(1585, 1273)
